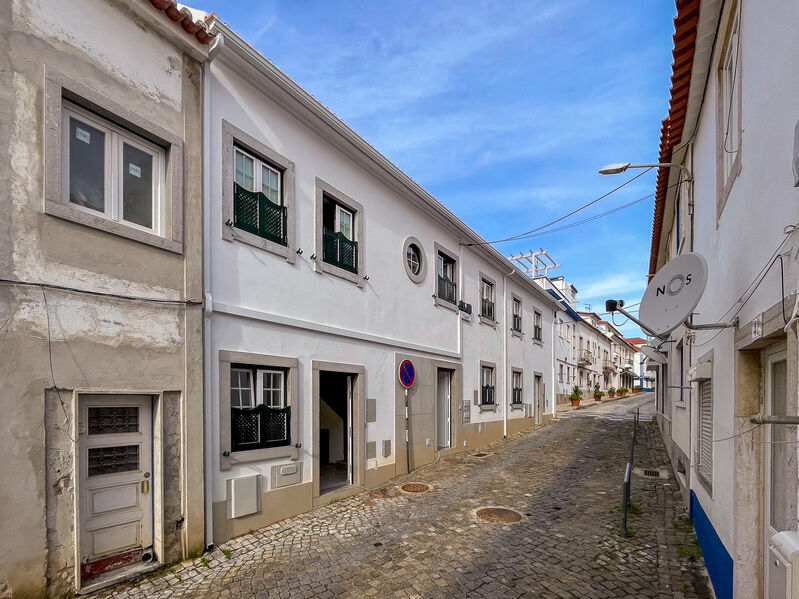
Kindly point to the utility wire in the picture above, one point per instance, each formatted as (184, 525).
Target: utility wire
(565, 216)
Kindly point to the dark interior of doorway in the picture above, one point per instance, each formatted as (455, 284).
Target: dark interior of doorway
(333, 431)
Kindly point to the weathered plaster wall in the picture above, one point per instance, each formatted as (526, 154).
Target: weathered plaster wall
(97, 343)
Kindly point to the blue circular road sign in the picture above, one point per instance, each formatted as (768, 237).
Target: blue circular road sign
(407, 374)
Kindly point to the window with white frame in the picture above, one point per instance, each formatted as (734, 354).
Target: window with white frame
(260, 413)
(446, 288)
(340, 248)
(112, 172)
(705, 431)
(486, 299)
(487, 386)
(730, 99)
(516, 385)
(538, 330)
(516, 325)
(258, 205)
(560, 373)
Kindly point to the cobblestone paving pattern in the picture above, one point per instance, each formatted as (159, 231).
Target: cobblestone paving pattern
(564, 478)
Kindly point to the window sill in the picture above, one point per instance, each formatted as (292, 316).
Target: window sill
(488, 407)
(538, 342)
(516, 333)
(230, 233)
(258, 455)
(681, 404)
(517, 406)
(487, 321)
(445, 304)
(70, 213)
(331, 269)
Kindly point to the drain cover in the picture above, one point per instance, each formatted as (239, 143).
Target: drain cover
(480, 455)
(415, 487)
(498, 514)
(652, 473)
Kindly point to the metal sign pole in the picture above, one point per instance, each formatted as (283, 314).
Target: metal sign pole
(407, 437)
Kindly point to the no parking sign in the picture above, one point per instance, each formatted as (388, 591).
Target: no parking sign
(407, 374)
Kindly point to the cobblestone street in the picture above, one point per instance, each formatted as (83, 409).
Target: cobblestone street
(564, 479)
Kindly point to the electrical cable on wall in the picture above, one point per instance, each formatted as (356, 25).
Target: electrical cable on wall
(52, 373)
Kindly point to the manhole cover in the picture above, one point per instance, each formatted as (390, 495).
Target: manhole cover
(498, 514)
(480, 455)
(415, 487)
(652, 473)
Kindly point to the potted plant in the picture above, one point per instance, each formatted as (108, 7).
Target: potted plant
(637, 389)
(612, 391)
(598, 395)
(622, 391)
(576, 395)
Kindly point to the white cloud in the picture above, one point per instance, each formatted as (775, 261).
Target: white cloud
(612, 286)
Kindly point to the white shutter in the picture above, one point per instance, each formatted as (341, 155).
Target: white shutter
(706, 429)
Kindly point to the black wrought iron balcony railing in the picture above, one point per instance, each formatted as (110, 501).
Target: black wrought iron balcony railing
(487, 395)
(487, 309)
(339, 251)
(446, 289)
(517, 323)
(516, 396)
(254, 213)
(259, 427)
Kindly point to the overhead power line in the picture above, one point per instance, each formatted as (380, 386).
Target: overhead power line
(565, 216)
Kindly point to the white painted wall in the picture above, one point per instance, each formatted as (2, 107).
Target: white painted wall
(396, 312)
(762, 201)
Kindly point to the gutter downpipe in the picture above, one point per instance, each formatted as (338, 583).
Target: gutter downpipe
(505, 352)
(210, 440)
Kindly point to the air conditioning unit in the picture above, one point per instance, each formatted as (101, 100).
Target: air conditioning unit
(464, 307)
(783, 565)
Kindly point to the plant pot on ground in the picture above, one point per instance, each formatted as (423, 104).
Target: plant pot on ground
(576, 396)
(612, 392)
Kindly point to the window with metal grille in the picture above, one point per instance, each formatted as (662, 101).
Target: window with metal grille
(447, 287)
(258, 198)
(260, 413)
(705, 433)
(517, 315)
(516, 395)
(538, 330)
(487, 387)
(486, 299)
(339, 246)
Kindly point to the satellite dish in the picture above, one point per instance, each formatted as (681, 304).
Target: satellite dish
(654, 355)
(673, 293)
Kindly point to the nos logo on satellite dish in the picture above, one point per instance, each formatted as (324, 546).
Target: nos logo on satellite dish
(674, 286)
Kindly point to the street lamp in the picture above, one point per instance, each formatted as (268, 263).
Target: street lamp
(620, 167)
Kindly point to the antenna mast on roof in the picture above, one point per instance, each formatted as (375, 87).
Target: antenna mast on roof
(534, 264)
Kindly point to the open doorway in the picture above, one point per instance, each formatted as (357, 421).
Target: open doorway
(335, 430)
(444, 408)
(538, 395)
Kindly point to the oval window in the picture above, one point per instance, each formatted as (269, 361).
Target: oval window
(414, 257)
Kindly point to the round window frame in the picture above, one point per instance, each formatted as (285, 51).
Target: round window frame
(420, 276)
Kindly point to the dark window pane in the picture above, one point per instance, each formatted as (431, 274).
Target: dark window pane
(137, 186)
(111, 460)
(110, 420)
(86, 165)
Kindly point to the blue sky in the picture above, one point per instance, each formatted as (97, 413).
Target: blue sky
(502, 110)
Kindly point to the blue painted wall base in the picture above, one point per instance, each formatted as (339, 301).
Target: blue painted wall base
(717, 560)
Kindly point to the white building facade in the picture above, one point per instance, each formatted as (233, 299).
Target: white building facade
(326, 268)
(738, 208)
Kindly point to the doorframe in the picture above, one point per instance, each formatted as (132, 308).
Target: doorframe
(456, 407)
(157, 438)
(451, 373)
(769, 355)
(358, 372)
